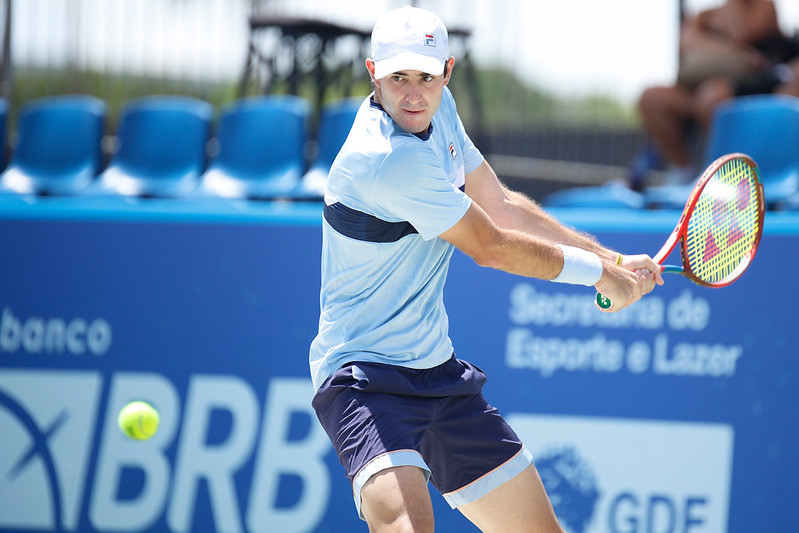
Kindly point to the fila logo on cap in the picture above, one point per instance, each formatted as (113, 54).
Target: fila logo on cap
(430, 40)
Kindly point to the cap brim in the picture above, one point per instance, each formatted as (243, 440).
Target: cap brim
(408, 61)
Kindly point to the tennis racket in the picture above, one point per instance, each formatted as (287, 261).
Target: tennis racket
(720, 227)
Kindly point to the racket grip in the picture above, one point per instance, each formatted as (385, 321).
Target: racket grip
(603, 301)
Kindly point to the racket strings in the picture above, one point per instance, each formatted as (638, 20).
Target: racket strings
(724, 227)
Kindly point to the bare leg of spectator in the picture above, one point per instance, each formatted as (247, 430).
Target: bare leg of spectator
(665, 111)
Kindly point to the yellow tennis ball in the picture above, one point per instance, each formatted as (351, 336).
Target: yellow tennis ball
(138, 420)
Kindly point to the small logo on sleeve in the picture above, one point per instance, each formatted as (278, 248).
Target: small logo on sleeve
(452, 151)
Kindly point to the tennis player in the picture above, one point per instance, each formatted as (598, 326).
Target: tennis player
(408, 187)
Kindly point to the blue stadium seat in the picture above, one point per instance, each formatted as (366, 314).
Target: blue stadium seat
(261, 148)
(610, 196)
(58, 150)
(4, 111)
(161, 148)
(766, 127)
(335, 122)
(792, 203)
(668, 196)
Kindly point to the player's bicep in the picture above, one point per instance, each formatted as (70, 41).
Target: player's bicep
(507, 208)
(483, 186)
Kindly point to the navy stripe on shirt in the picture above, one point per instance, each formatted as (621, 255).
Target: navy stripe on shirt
(364, 227)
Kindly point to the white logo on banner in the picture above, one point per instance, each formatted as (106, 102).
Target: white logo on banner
(49, 425)
(601, 353)
(37, 335)
(47, 422)
(632, 476)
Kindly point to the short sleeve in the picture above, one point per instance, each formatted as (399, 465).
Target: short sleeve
(412, 186)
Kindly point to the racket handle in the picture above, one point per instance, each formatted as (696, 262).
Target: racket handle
(603, 301)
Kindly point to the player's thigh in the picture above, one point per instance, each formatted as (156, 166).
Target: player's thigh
(397, 499)
(519, 505)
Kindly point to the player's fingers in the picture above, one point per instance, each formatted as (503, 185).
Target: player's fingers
(647, 280)
(639, 261)
(656, 270)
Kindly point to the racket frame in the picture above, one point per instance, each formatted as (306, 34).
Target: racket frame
(678, 235)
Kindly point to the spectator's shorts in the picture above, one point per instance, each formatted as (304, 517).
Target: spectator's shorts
(761, 82)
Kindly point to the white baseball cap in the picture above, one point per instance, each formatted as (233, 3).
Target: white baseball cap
(409, 38)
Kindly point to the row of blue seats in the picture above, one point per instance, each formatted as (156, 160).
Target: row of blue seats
(170, 146)
(765, 127)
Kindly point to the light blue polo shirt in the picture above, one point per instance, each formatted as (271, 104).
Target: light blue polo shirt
(389, 195)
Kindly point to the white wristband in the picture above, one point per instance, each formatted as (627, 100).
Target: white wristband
(580, 267)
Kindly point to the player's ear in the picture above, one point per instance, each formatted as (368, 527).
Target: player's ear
(370, 67)
(448, 69)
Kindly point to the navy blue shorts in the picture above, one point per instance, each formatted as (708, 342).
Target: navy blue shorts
(382, 416)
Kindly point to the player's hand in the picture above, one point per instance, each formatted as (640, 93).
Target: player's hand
(625, 287)
(643, 262)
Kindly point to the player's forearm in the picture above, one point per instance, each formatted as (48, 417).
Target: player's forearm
(509, 250)
(522, 254)
(512, 210)
(525, 215)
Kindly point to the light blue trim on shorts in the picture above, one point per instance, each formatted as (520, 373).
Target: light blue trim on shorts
(488, 482)
(383, 462)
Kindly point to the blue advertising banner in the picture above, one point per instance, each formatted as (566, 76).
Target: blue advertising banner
(675, 415)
